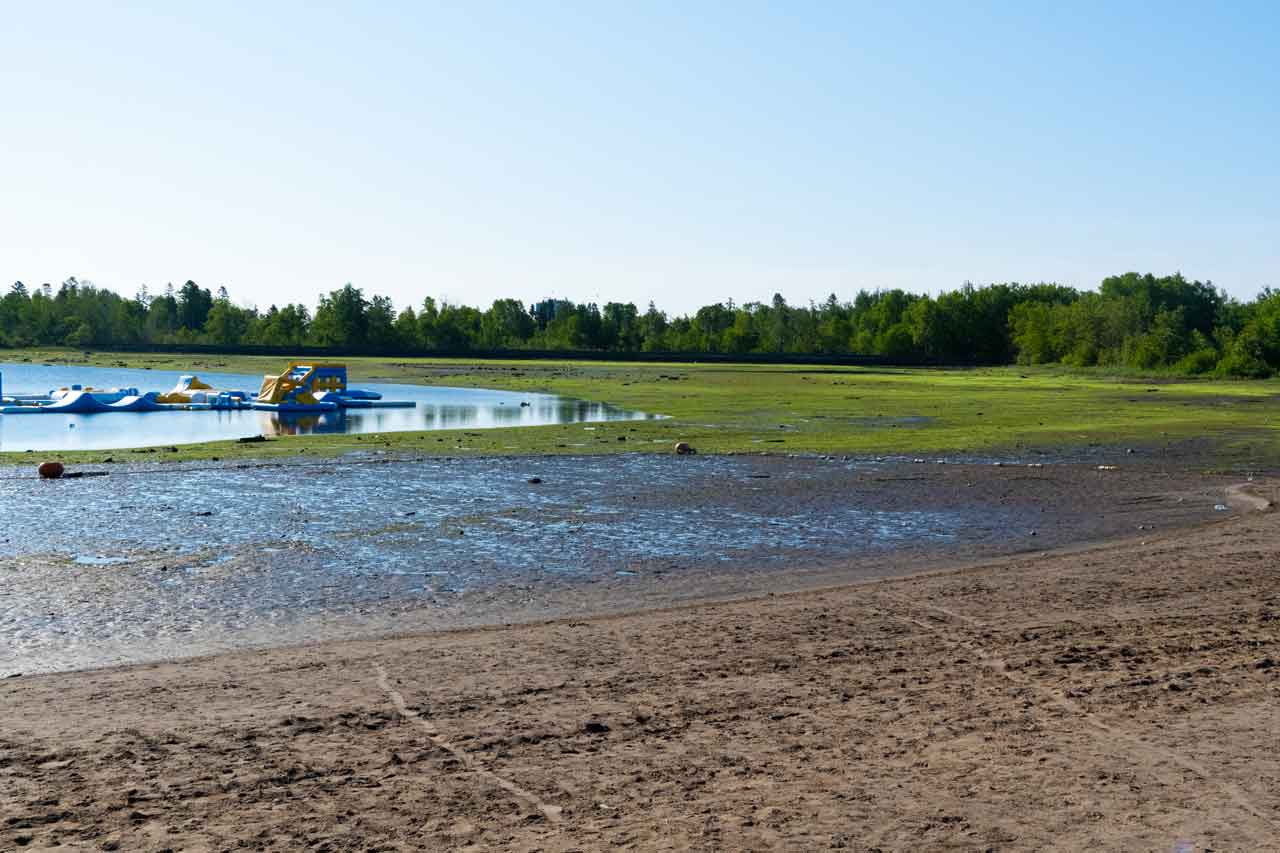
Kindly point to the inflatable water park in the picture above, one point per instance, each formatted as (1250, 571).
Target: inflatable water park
(301, 388)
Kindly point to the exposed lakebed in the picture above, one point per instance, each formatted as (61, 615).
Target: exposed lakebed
(154, 561)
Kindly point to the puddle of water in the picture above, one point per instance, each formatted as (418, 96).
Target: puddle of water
(436, 408)
(356, 536)
(95, 560)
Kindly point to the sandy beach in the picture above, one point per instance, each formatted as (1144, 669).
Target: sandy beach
(1116, 695)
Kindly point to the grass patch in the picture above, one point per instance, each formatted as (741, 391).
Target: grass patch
(772, 408)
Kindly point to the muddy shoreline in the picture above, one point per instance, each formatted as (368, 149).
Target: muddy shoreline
(1122, 694)
(158, 562)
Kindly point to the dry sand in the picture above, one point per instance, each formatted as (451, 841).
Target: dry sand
(1119, 696)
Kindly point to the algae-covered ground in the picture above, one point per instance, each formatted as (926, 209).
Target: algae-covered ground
(778, 408)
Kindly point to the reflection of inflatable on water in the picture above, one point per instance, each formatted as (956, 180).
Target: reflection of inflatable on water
(299, 389)
(289, 423)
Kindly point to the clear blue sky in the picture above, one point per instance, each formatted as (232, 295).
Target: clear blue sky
(680, 152)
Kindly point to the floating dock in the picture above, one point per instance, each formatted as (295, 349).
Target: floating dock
(301, 388)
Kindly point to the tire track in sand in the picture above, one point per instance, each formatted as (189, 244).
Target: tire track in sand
(1269, 828)
(551, 812)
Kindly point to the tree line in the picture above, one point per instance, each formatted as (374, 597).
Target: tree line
(1131, 320)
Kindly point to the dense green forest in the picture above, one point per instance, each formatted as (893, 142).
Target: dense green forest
(1132, 320)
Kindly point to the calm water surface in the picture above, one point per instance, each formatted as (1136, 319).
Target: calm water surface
(437, 408)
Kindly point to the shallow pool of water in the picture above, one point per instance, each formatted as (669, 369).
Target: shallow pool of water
(167, 560)
(436, 408)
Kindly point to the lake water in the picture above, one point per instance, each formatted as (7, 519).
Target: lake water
(436, 408)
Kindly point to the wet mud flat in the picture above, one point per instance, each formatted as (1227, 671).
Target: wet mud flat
(161, 561)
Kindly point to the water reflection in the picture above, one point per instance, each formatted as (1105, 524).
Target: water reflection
(306, 424)
(436, 408)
